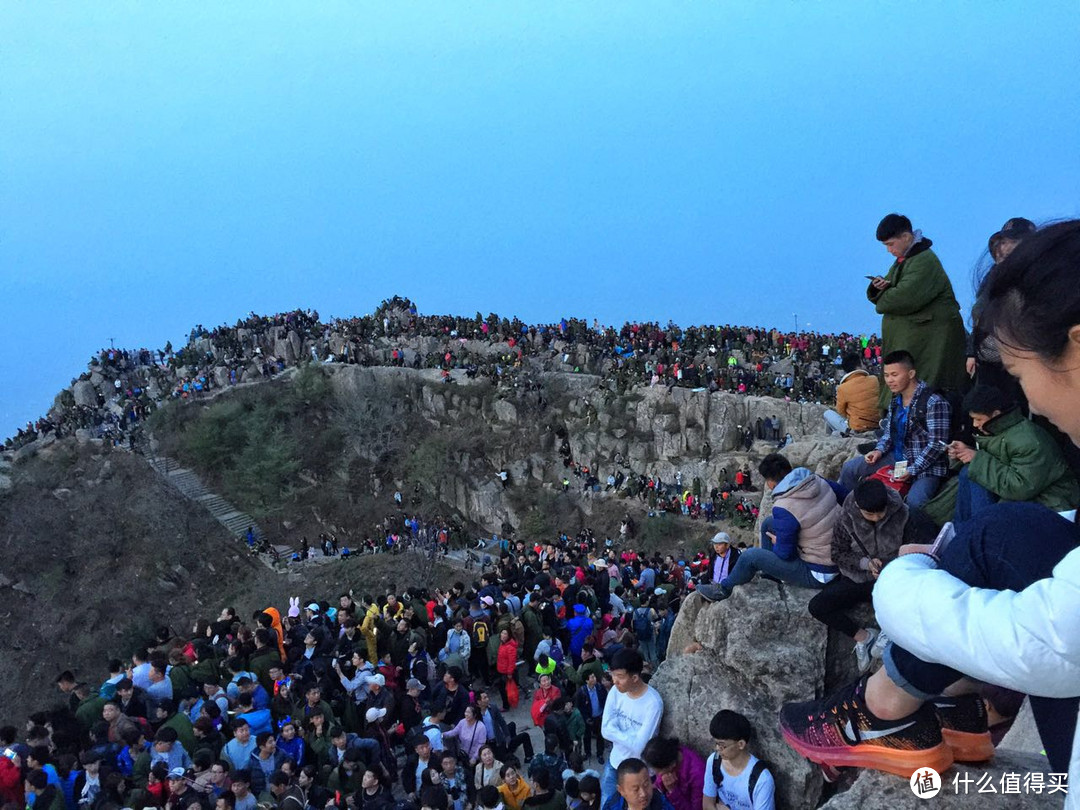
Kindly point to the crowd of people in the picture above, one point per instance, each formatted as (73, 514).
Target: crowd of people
(401, 701)
(129, 384)
(957, 521)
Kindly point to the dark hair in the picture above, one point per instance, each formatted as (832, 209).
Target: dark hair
(589, 784)
(280, 779)
(228, 797)
(729, 725)
(488, 796)
(628, 767)
(774, 467)
(870, 496)
(851, 362)
(892, 225)
(241, 775)
(661, 752)
(630, 661)
(1030, 300)
(901, 356)
(986, 399)
(544, 779)
(262, 737)
(37, 779)
(551, 743)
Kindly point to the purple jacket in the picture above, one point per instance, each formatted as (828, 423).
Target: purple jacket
(686, 795)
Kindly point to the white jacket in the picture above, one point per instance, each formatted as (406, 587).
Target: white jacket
(1027, 641)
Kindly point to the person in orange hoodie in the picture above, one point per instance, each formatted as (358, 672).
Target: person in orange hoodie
(856, 400)
(275, 625)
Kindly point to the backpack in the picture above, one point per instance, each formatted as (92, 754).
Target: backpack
(643, 628)
(556, 654)
(755, 774)
(480, 631)
(920, 405)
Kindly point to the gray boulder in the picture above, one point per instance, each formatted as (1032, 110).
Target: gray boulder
(963, 786)
(85, 394)
(759, 650)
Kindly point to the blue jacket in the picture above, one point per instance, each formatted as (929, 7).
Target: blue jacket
(580, 627)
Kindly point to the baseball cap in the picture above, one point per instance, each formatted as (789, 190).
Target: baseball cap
(721, 537)
(374, 714)
(177, 773)
(413, 683)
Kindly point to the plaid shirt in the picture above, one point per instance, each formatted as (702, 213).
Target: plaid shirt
(922, 456)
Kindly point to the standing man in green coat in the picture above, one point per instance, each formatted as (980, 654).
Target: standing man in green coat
(919, 312)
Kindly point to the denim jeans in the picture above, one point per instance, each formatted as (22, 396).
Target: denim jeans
(834, 422)
(1004, 547)
(753, 560)
(923, 488)
(608, 783)
(971, 497)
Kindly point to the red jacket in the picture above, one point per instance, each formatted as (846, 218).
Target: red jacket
(541, 705)
(506, 662)
(11, 783)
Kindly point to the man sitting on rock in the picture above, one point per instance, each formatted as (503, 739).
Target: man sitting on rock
(873, 524)
(916, 431)
(857, 398)
(797, 538)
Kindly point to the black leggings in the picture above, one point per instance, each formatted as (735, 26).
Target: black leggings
(831, 604)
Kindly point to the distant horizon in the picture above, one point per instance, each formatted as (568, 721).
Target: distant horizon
(172, 164)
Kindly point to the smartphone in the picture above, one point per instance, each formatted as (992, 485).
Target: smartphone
(871, 278)
(940, 445)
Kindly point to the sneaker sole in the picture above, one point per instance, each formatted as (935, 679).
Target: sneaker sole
(969, 747)
(889, 760)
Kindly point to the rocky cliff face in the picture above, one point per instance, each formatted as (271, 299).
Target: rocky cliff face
(648, 430)
(760, 649)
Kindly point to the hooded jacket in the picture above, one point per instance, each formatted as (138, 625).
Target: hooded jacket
(857, 398)
(1018, 461)
(805, 510)
(275, 616)
(580, 627)
(856, 540)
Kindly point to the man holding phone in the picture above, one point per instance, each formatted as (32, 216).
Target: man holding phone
(919, 312)
(916, 431)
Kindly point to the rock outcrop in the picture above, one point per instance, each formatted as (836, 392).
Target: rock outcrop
(962, 786)
(760, 649)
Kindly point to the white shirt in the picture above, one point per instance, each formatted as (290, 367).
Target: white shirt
(630, 722)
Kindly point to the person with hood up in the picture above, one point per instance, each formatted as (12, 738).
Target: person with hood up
(580, 627)
(797, 538)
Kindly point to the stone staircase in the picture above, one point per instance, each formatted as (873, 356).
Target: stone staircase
(192, 488)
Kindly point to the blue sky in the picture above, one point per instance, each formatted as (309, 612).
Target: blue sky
(163, 164)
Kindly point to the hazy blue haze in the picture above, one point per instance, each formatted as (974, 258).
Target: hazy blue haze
(163, 164)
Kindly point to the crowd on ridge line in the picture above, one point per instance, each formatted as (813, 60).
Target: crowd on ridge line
(958, 522)
(399, 702)
(698, 356)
